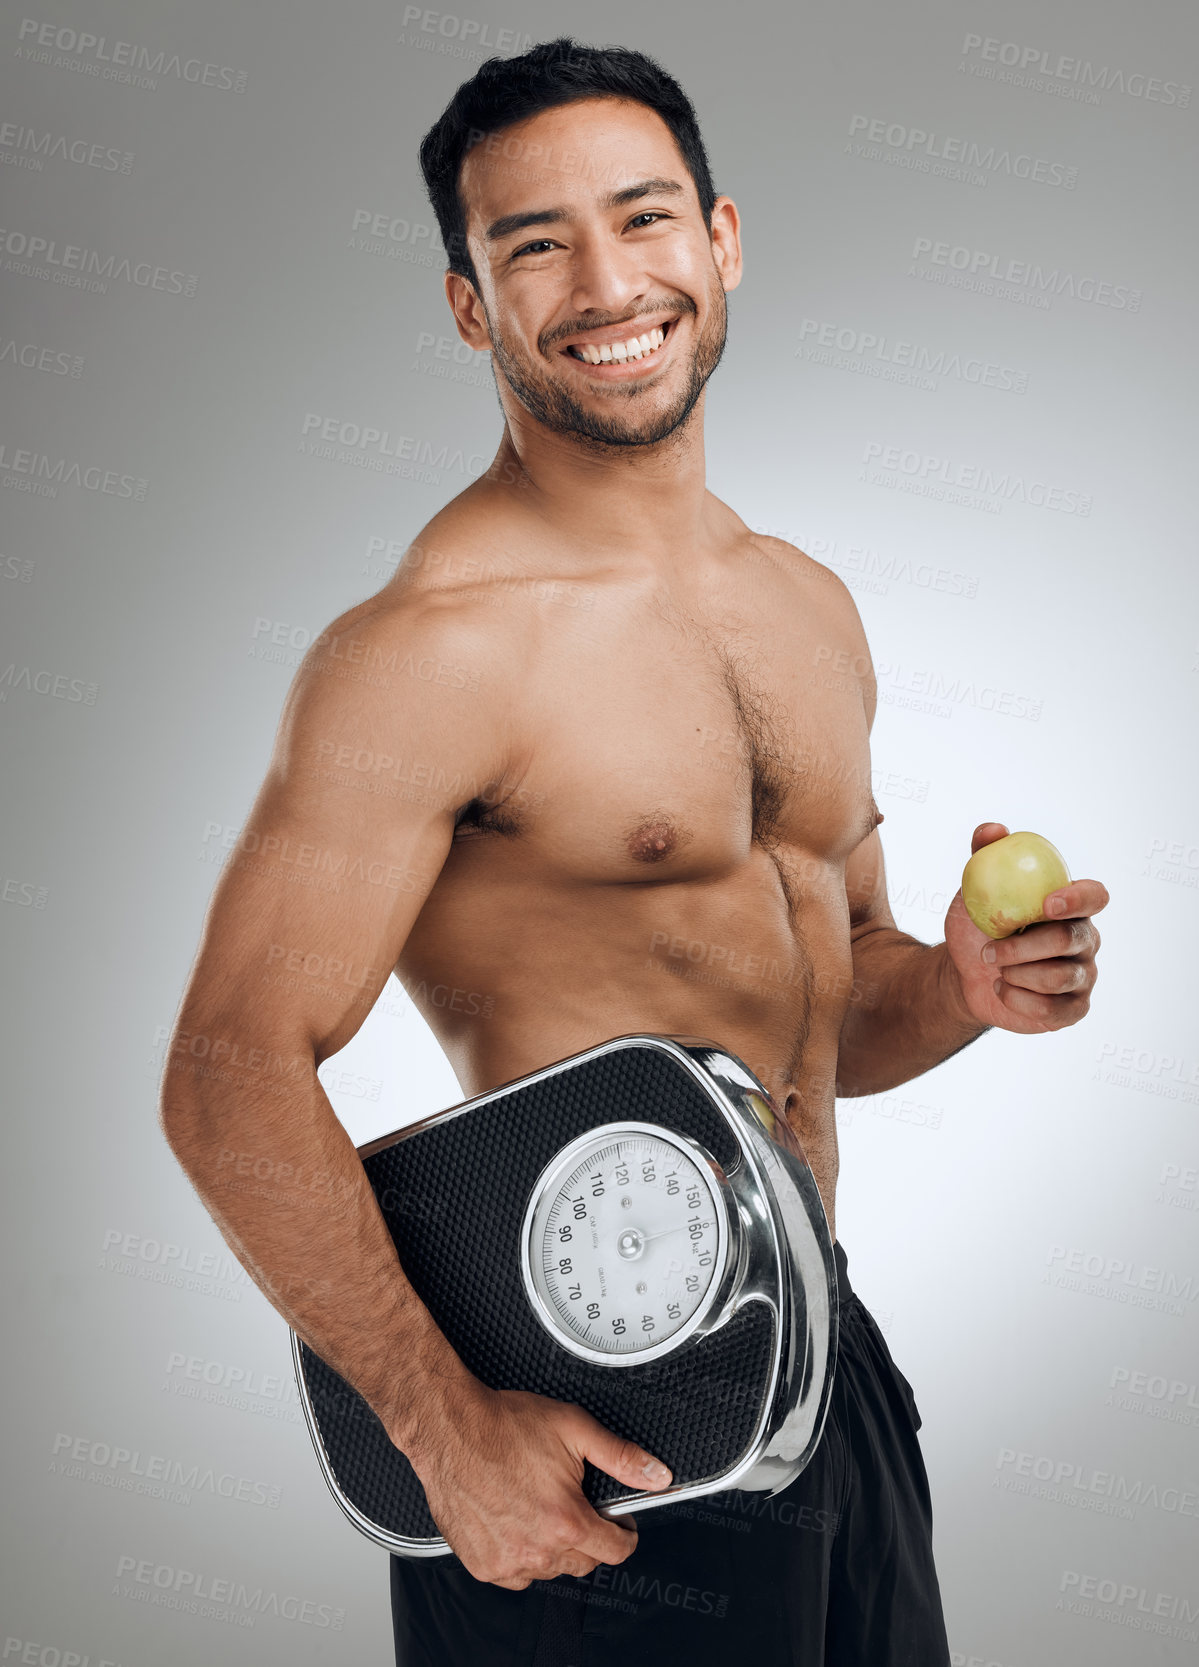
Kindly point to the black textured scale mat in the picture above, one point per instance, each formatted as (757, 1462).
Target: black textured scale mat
(454, 1197)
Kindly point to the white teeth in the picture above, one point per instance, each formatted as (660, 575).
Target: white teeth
(620, 353)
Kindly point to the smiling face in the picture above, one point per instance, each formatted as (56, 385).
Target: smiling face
(601, 290)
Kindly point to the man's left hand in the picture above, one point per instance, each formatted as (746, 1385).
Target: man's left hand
(1038, 979)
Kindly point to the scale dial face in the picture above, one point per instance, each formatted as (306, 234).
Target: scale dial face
(624, 1242)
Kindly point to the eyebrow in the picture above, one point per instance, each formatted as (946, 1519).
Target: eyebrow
(509, 223)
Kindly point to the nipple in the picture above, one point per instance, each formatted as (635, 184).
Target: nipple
(653, 840)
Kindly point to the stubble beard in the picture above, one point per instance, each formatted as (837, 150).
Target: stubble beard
(552, 405)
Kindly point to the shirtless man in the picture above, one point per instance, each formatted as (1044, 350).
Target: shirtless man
(642, 732)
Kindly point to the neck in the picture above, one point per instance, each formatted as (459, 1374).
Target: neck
(643, 502)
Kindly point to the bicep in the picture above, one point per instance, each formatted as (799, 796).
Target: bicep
(865, 870)
(340, 852)
(866, 888)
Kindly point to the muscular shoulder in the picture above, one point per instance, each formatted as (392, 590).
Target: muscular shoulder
(803, 568)
(423, 674)
(434, 637)
(827, 593)
(472, 558)
(452, 589)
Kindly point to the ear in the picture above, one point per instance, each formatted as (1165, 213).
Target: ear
(726, 241)
(468, 311)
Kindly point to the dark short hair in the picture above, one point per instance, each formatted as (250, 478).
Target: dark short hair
(504, 91)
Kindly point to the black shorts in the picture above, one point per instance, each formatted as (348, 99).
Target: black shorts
(835, 1571)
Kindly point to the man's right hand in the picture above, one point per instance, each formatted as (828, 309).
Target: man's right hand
(504, 1485)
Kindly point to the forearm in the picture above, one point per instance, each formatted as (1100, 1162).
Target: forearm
(283, 1182)
(911, 1015)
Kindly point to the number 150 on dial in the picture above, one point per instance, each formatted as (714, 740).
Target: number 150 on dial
(624, 1241)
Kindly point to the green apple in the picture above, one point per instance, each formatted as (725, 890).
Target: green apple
(1005, 883)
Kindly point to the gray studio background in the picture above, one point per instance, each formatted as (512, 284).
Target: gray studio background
(960, 372)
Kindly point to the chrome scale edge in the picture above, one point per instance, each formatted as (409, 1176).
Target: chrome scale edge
(784, 1228)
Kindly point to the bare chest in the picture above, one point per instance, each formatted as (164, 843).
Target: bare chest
(668, 742)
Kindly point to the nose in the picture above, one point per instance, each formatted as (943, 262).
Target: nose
(607, 277)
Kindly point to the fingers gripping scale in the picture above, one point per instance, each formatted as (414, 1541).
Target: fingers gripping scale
(631, 1229)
